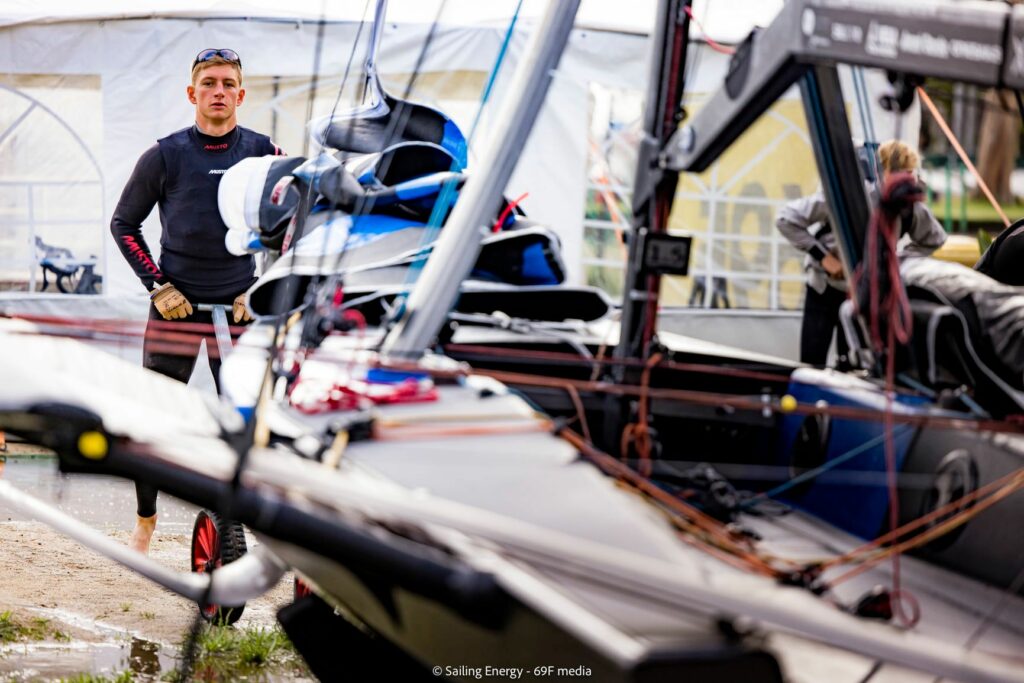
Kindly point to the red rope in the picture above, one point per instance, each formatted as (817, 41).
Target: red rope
(890, 307)
(889, 317)
(509, 208)
(960, 511)
(717, 47)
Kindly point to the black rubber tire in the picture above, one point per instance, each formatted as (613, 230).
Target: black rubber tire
(209, 551)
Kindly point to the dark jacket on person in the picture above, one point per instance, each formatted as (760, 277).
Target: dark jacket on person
(180, 174)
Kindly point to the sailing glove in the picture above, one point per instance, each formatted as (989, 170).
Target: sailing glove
(170, 303)
(239, 310)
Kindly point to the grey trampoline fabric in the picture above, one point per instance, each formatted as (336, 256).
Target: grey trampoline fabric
(994, 311)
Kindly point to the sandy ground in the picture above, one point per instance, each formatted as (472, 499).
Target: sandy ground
(45, 573)
(105, 609)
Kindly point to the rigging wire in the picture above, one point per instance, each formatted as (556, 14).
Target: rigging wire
(875, 668)
(717, 47)
(997, 608)
(447, 196)
(317, 58)
(815, 472)
(708, 398)
(397, 123)
(947, 131)
(255, 428)
(334, 111)
(959, 512)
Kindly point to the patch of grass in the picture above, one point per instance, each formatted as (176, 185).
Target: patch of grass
(10, 630)
(217, 640)
(126, 607)
(149, 615)
(13, 629)
(125, 676)
(225, 653)
(257, 646)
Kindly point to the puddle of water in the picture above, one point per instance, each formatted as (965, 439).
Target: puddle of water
(148, 661)
(99, 501)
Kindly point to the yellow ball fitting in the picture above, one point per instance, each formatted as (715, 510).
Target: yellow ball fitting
(787, 403)
(92, 445)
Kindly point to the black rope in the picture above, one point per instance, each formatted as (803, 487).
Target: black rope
(396, 126)
(317, 58)
(875, 668)
(1011, 590)
(243, 443)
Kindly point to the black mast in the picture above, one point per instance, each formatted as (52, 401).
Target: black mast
(654, 187)
(834, 153)
(982, 44)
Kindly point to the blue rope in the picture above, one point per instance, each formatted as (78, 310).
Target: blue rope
(831, 464)
(446, 198)
(494, 70)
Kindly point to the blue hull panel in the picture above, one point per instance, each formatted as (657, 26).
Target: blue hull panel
(851, 492)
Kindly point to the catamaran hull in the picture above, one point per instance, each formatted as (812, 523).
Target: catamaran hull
(511, 637)
(934, 468)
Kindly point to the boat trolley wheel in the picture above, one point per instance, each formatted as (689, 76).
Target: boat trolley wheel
(955, 477)
(210, 552)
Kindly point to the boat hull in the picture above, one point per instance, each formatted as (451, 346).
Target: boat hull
(518, 639)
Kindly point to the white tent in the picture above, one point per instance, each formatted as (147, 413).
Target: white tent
(89, 86)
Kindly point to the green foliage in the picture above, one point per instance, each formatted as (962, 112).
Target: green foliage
(9, 628)
(13, 629)
(984, 240)
(125, 676)
(257, 646)
(218, 639)
(225, 653)
(977, 211)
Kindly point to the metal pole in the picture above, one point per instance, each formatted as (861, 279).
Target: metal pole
(654, 187)
(33, 260)
(837, 161)
(452, 260)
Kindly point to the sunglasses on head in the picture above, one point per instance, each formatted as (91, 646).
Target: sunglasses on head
(224, 53)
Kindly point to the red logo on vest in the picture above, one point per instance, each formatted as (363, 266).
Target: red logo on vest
(215, 148)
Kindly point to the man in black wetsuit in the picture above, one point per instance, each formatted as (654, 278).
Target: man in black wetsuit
(180, 174)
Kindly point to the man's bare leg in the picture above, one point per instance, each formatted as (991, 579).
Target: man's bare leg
(143, 534)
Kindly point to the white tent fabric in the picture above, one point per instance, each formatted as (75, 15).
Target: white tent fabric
(140, 53)
(93, 84)
(726, 21)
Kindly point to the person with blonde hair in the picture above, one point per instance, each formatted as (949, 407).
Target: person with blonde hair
(806, 224)
(180, 175)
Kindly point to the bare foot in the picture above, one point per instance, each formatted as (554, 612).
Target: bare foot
(143, 534)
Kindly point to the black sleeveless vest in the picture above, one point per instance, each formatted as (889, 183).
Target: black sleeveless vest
(192, 251)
